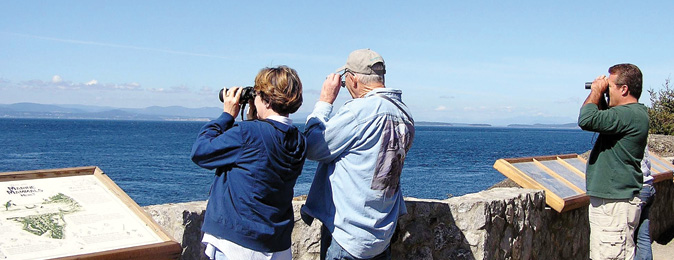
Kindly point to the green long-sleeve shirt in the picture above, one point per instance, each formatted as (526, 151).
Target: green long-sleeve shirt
(614, 166)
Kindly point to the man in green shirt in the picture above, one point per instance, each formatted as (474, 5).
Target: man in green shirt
(613, 173)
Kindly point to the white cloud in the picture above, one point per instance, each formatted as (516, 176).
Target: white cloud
(56, 79)
(125, 86)
(180, 89)
(208, 91)
(440, 108)
(477, 109)
(176, 89)
(58, 83)
(569, 100)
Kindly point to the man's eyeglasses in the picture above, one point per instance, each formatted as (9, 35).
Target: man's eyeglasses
(342, 76)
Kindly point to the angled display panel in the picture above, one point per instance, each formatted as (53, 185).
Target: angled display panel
(75, 213)
(661, 169)
(562, 177)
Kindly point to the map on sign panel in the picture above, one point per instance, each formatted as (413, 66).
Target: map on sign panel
(54, 217)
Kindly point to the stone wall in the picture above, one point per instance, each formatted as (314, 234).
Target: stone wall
(662, 213)
(502, 223)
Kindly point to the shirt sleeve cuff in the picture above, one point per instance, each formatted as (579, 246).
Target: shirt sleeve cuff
(322, 108)
(225, 121)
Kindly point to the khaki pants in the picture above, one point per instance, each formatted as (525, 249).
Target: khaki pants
(612, 225)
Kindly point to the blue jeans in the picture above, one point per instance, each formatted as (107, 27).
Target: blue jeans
(331, 250)
(643, 237)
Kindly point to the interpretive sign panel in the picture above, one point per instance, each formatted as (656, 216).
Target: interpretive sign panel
(75, 213)
(562, 177)
(661, 169)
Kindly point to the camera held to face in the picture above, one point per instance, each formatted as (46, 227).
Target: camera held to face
(247, 93)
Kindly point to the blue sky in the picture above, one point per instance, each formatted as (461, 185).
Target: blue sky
(496, 62)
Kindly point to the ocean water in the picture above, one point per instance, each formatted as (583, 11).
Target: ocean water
(150, 160)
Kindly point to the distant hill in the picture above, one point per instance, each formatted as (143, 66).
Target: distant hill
(565, 126)
(174, 113)
(33, 110)
(178, 111)
(32, 107)
(424, 123)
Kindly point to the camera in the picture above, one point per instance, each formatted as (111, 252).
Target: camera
(588, 85)
(247, 93)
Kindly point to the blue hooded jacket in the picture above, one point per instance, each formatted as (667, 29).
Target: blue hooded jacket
(257, 164)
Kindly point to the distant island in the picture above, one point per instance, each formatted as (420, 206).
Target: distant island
(561, 126)
(424, 123)
(555, 126)
(176, 113)
(154, 113)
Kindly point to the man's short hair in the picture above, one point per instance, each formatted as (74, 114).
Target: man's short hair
(372, 78)
(630, 75)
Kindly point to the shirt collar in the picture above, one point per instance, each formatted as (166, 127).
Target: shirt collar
(281, 119)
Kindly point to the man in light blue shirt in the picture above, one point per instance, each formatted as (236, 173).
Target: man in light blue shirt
(361, 150)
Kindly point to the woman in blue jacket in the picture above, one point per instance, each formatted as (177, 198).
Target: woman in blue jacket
(257, 162)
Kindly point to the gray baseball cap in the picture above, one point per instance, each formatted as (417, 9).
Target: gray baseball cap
(361, 61)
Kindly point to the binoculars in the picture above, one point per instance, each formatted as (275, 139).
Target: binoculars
(247, 93)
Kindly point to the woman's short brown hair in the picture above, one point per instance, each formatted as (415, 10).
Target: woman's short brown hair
(281, 88)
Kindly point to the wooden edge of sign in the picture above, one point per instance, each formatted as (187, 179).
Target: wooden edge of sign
(554, 201)
(511, 172)
(50, 173)
(566, 156)
(164, 250)
(575, 202)
(132, 205)
(663, 176)
(540, 158)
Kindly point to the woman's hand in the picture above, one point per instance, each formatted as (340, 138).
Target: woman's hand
(231, 101)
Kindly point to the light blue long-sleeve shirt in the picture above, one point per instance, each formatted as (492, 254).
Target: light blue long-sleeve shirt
(360, 150)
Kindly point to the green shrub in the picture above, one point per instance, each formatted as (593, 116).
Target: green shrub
(661, 112)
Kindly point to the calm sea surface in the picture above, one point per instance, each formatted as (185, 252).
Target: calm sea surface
(150, 160)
